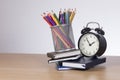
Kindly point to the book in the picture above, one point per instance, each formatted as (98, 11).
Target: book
(83, 64)
(64, 59)
(59, 67)
(64, 54)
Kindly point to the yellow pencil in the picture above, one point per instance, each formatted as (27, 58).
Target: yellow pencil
(53, 15)
(72, 15)
(56, 21)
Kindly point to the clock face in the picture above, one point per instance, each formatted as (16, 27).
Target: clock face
(89, 44)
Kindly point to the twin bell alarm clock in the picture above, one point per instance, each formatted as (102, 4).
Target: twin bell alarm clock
(92, 41)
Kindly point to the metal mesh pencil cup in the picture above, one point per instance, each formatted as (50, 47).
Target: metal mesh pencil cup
(63, 38)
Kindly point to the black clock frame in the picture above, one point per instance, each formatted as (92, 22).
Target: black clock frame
(102, 44)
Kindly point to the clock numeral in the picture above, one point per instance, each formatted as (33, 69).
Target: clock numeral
(93, 51)
(86, 52)
(83, 48)
(84, 40)
(89, 52)
(82, 44)
(90, 36)
(96, 48)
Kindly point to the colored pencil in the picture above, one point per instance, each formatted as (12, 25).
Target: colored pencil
(56, 24)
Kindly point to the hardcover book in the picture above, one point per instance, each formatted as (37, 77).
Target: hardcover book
(64, 54)
(64, 59)
(59, 67)
(83, 64)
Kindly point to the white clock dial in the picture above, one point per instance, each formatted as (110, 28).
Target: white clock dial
(89, 44)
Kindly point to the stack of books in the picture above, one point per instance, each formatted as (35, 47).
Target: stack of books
(60, 57)
(73, 59)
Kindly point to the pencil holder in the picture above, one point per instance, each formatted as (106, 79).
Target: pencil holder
(63, 38)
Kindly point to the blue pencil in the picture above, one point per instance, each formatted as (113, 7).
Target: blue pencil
(67, 17)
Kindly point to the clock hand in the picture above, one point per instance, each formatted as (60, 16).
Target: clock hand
(92, 43)
(88, 41)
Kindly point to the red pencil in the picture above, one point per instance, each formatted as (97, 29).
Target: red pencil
(46, 20)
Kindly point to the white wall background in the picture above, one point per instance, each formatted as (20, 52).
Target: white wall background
(22, 29)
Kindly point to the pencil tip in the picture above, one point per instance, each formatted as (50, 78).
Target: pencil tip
(44, 13)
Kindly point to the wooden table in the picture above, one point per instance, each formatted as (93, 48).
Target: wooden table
(35, 67)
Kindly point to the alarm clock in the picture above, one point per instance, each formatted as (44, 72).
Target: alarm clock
(92, 41)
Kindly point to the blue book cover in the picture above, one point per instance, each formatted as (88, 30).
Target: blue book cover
(60, 67)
